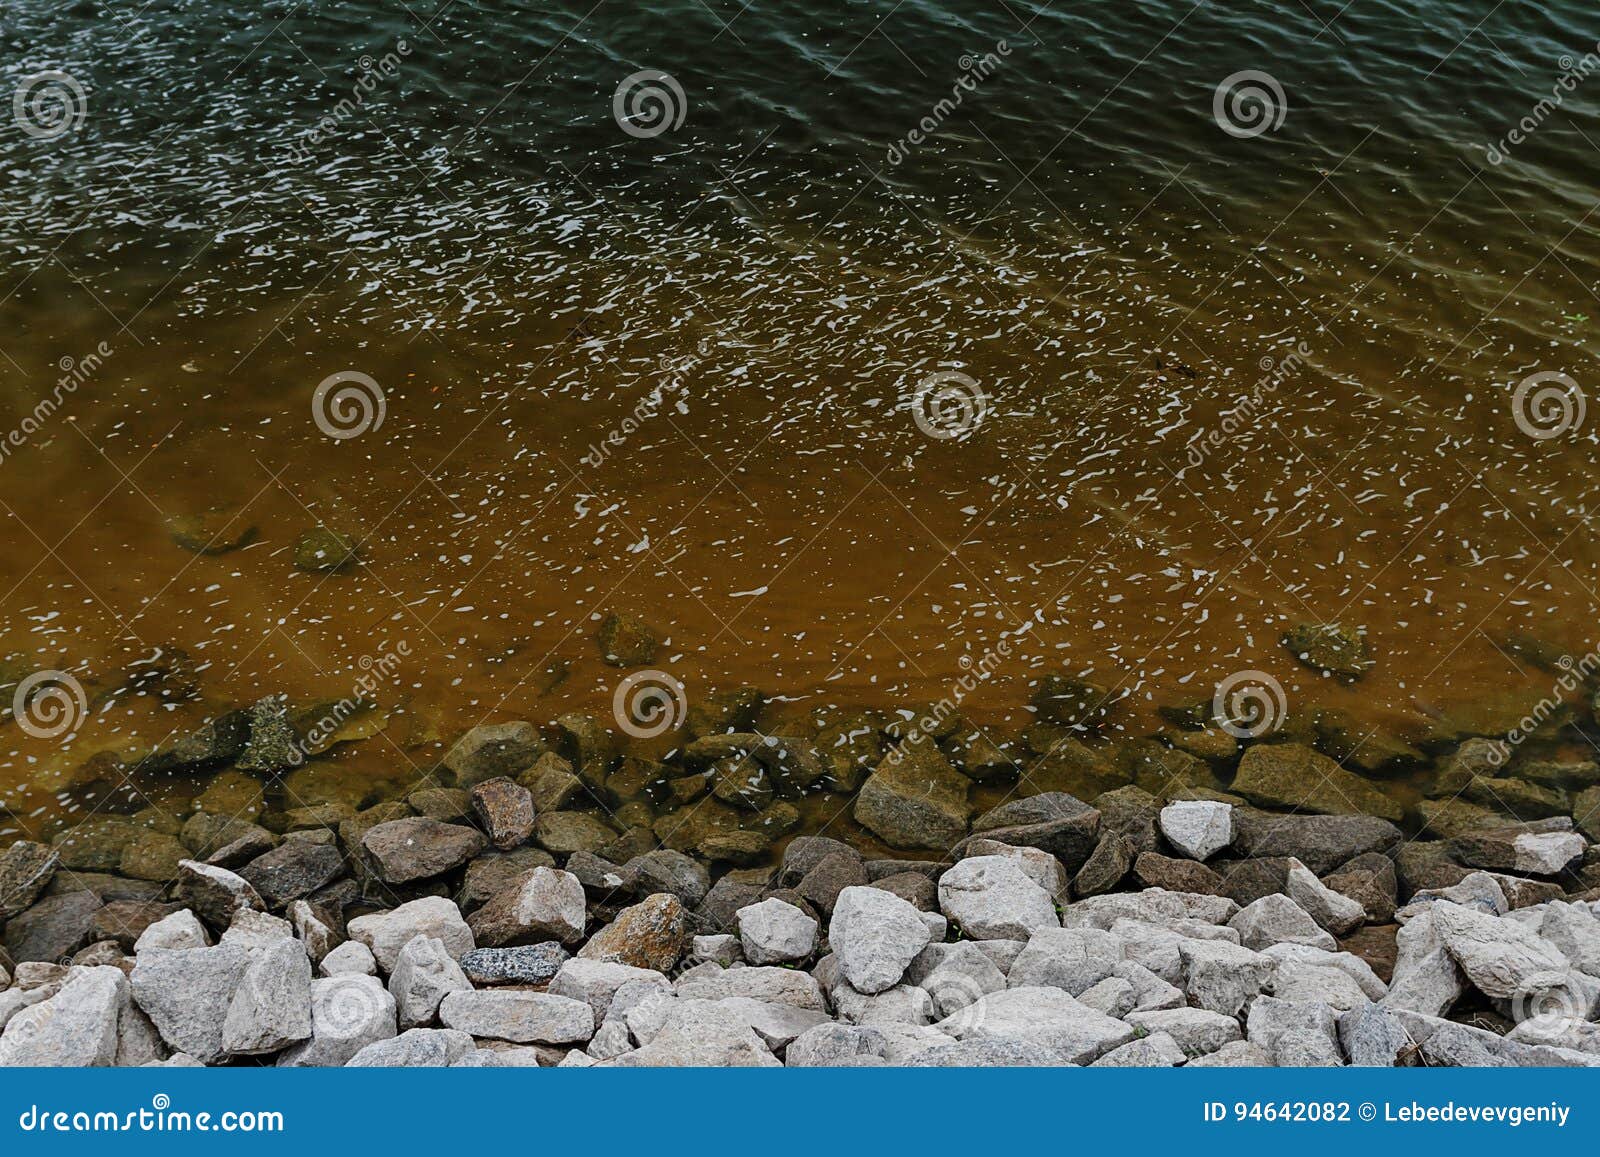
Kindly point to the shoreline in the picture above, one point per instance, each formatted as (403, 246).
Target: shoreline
(553, 896)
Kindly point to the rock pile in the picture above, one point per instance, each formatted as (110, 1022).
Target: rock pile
(1019, 951)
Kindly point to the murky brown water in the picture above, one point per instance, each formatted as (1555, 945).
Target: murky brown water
(780, 518)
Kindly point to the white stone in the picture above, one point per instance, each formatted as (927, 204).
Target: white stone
(522, 1017)
(876, 934)
(1276, 919)
(350, 958)
(773, 932)
(348, 1013)
(272, 1007)
(1222, 977)
(77, 1027)
(180, 929)
(993, 898)
(423, 976)
(1331, 910)
(1198, 828)
(1047, 1017)
(1071, 959)
(386, 933)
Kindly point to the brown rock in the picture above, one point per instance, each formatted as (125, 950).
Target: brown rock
(505, 809)
(653, 933)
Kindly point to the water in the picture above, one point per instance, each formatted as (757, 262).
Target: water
(1231, 383)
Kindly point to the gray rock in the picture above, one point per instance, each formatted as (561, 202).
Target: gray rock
(1332, 911)
(494, 872)
(424, 974)
(1222, 977)
(1155, 906)
(1071, 959)
(665, 870)
(215, 894)
(1156, 1051)
(1198, 828)
(1277, 919)
(1196, 1030)
(523, 1017)
(386, 933)
(1321, 842)
(524, 964)
(1305, 983)
(720, 949)
(1499, 957)
(252, 929)
(1305, 1048)
(702, 1033)
(314, 931)
(829, 1044)
(1150, 992)
(1426, 977)
(187, 992)
(1373, 1036)
(1106, 866)
(1348, 963)
(1270, 1018)
(775, 1024)
(1240, 1054)
(26, 869)
(1113, 996)
(548, 904)
(959, 977)
(1515, 849)
(595, 982)
(76, 1027)
(417, 848)
(776, 985)
(348, 1013)
(993, 898)
(53, 928)
(875, 935)
(1053, 821)
(415, 1048)
(272, 1007)
(352, 958)
(1046, 1017)
(987, 1053)
(181, 929)
(902, 1005)
(773, 932)
(292, 871)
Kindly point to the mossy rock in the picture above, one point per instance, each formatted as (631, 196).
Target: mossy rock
(323, 551)
(626, 641)
(214, 531)
(1068, 701)
(1331, 648)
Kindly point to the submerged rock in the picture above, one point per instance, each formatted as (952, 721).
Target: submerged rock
(323, 551)
(1331, 648)
(626, 641)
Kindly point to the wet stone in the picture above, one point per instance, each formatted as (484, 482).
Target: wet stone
(626, 641)
(324, 551)
(1331, 648)
(505, 810)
